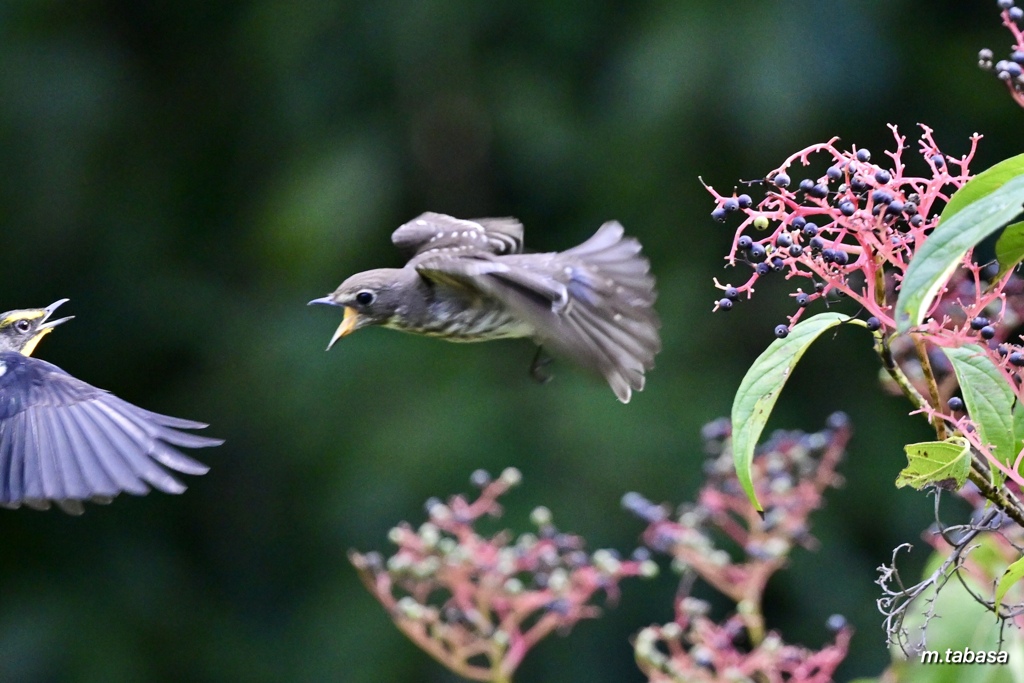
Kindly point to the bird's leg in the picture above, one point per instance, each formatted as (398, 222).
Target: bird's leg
(539, 365)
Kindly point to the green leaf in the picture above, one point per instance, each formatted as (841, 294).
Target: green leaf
(1012, 575)
(1018, 428)
(983, 184)
(1010, 248)
(945, 464)
(989, 402)
(973, 213)
(760, 389)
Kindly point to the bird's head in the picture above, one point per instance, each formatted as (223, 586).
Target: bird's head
(370, 298)
(22, 330)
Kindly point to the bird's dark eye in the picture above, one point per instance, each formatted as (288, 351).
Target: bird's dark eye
(22, 325)
(365, 297)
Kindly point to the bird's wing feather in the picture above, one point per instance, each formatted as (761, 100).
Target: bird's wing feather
(485, 274)
(63, 440)
(592, 303)
(433, 233)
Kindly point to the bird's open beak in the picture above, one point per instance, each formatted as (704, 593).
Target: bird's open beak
(348, 326)
(50, 324)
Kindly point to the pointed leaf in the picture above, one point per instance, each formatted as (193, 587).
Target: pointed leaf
(1018, 429)
(985, 183)
(1012, 575)
(760, 389)
(945, 464)
(1010, 248)
(989, 402)
(958, 231)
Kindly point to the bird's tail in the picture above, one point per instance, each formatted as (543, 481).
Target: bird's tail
(610, 309)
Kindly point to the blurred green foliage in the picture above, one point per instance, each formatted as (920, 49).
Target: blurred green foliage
(191, 173)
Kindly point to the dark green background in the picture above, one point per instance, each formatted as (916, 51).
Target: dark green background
(191, 173)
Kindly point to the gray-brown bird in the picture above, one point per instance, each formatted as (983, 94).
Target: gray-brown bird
(64, 441)
(468, 281)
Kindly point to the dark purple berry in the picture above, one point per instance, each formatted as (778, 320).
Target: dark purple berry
(882, 176)
(806, 184)
(857, 184)
(756, 252)
(916, 220)
(828, 255)
(801, 299)
(817, 243)
(796, 250)
(988, 332)
(810, 230)
(910, 208)
(797, 223)
(781, 331)
(1004, 4)
(836, 622)
(874, 323)
(778, 264)
(744, 201)
(1016, 13)
(956, 404)
(837, 420)
(1017, 359)
(847, 208)
(762, 269)
(881, 197)
(731, 293)
(725, 304)
(841, 257)
(979, 322)
(834, 173)
(744, 242)
(819, 287)
(718, 214)
(781, 180)
(731, 205)
(818, 191)
(783, 240)
(863, 156)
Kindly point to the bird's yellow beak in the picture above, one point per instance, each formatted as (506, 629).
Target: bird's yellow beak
(347, 326)
(46, 327)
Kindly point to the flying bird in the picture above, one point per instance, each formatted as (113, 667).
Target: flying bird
(468, 281)
(64, 441)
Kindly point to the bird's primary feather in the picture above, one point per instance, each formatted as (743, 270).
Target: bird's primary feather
(65, 441)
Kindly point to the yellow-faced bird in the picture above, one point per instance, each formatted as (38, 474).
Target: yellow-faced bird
(64, 441)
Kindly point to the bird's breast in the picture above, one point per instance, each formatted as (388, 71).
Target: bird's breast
(464, 320)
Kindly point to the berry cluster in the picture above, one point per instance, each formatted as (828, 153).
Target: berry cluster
(850, 231)
(853, 231)
(792, 470)
(1011, 70)
(479, 604)
(695, 648)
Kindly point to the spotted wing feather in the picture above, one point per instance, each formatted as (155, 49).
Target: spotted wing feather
(64, 441)
(432, 233)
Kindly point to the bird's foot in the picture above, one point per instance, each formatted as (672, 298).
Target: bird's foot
(538, 367)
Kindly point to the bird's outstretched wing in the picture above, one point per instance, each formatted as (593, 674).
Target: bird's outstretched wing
(436, 233)
(592, 303)
(65, 441)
